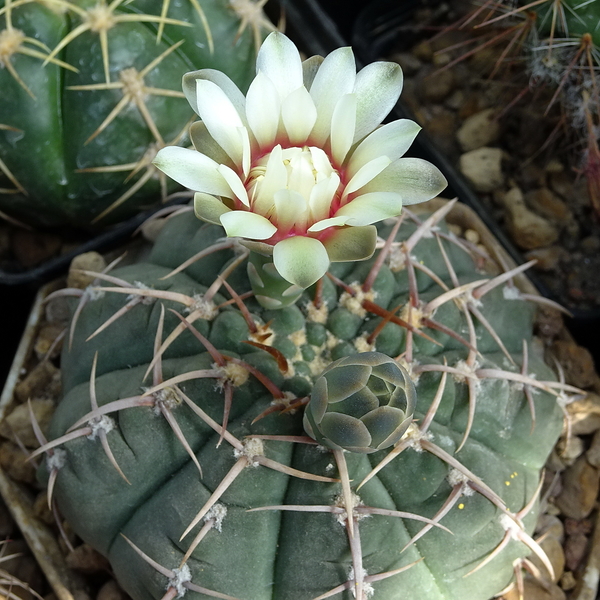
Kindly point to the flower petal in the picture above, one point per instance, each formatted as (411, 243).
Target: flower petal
(263, 107)
(351, 243)
(290, 209)
(391, 140)
(371, 208)
(208, 208)
(205, 144)
(240, 223)
(279, 59)
(301, 260)
(336, 77)
(309, 69)
(325, 223)
(299, 114)
(343, 123)
(235, 183)
(274, 179)
(366, 173)
(415, 179)
(377, 88)
(321, 197)
(221, 119)
(230, 89)
(192, 170)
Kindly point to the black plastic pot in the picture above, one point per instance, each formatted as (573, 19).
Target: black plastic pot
(377, 28)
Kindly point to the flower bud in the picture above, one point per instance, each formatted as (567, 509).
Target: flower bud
(361, 403)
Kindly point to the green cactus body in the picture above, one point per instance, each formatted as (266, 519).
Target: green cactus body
(77, 136)
(576, 19)
(302, 543)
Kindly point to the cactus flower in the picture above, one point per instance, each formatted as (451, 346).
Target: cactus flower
(300, 167)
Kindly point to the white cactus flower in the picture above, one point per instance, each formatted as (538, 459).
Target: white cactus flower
(301, 165)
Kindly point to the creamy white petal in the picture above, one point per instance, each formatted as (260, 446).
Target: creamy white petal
(299, 114)
(235, 183)
(230, 89)
(208, 208)
(246, 150)
(343, 123)
(371, 208)
(279, 59)
(321, 161)
(291, 209)
(205, 144)
(366, 173)
(263, 108)
(239, 223)
(391, 140)
(301, 260)
(336, 77)
(274, 179)
(321, 197)
(415, 179)
(377, 88)
(309, 69)
(192, 170)
(351, 243)
(300, 175)
(221, 118)
(331, 222)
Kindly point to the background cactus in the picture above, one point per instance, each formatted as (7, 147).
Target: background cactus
(92, 90)
(178, 450)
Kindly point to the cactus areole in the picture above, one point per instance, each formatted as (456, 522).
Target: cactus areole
(382, 437)
(91, 90)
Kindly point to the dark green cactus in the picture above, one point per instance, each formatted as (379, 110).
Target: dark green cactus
(185, 460)
(77, 135)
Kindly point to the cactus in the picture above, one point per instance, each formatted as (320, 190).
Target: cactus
(180, 451)
(557, 42)
(91, 91)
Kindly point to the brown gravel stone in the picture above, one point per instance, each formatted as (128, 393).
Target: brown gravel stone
(32, 248)
(528, 230)
(88, 261)
(554, 551)
(17, 426)
(480, 129)
(46, 339)
(13, 461)
(547, 258)
(111, 591)
(483, 168)
(575, 550)
(36, 382)
(535, 591)
(41, 509)
(437, 85)
(87, 560)
(580, 489)
(593, 453)
(577, 363)
(585, 414)
(548, 204)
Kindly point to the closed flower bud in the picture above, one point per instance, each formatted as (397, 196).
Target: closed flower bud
(361, 403)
